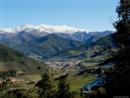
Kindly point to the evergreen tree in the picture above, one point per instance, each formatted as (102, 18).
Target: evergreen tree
(63, 88)
(118, 80)
(45, 86)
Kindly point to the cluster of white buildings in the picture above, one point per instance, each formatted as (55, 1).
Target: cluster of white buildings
(59, 64)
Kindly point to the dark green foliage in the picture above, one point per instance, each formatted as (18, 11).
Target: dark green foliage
(7, 54)
(6, 84)
(13, 60)
(118, 81)
(7, 90)
(123, 24)
(11, 73)
(43, 89)
(19, 93)
(63, 88)
(45, 86)
(106, 42)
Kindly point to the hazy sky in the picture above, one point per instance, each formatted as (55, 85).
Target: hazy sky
(93, 15)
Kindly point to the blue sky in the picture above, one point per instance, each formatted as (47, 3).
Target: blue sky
(93, 15)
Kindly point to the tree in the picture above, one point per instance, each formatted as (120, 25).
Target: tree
(6, 84)
(45, 86)
(118, 80)
(63, 88)
(123, 24)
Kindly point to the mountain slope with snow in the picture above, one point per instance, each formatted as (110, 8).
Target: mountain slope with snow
(47, 40)
(43, 28)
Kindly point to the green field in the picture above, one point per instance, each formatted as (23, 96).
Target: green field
(78, 82)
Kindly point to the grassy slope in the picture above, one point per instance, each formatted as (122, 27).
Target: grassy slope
(78, 82)
(11, 59)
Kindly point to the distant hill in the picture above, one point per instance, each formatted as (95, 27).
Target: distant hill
(107, 41)
(8, 54)
(52, 45)
(13, 60)
(95, 49)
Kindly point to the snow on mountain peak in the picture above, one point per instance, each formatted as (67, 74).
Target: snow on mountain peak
(21, 28)
(43, 28)
(61, 29)
(7, 30)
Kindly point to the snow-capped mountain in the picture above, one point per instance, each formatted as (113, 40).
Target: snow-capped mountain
(43, 28)
(47, 40)
(37, 31)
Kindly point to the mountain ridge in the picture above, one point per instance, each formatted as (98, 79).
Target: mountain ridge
(43, 28)
(44, 44)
